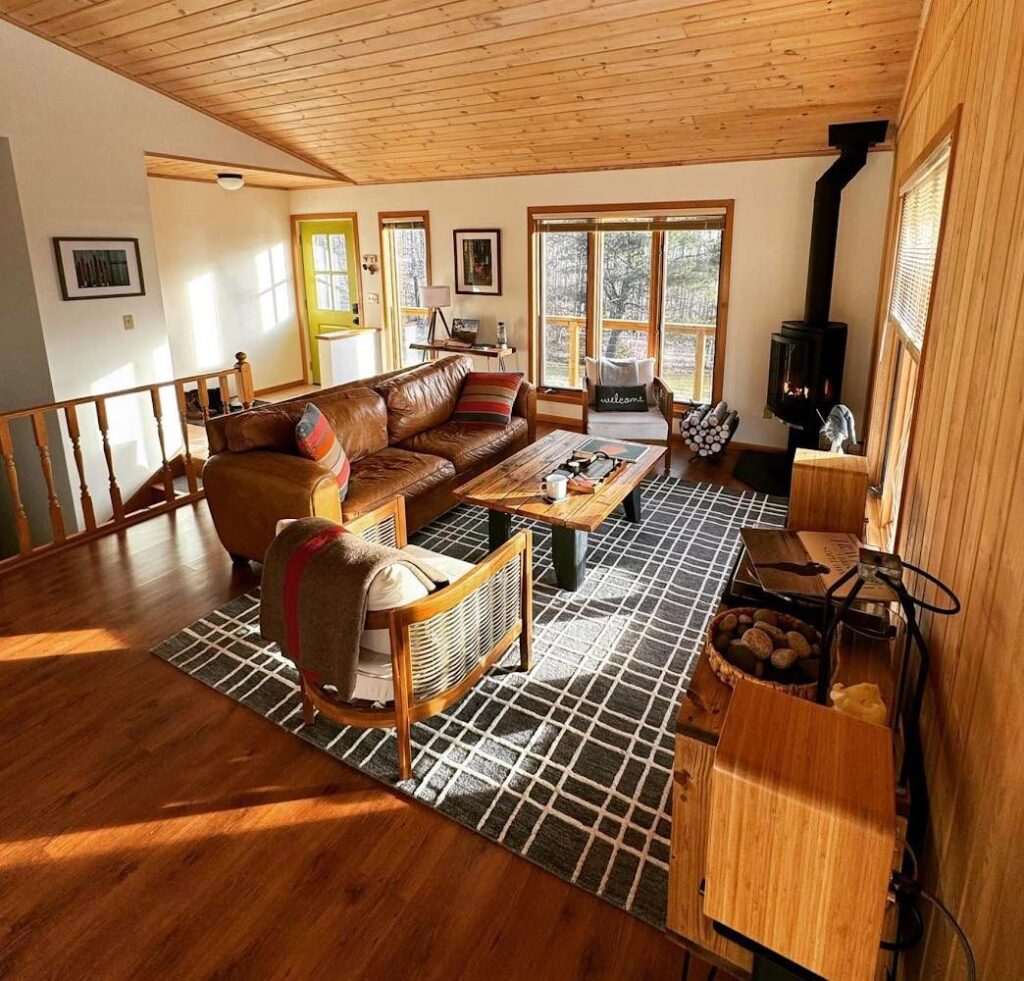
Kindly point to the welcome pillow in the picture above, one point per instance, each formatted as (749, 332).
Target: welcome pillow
(317, 440)
(487, 398)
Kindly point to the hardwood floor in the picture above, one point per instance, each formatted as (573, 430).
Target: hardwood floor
(151, 827)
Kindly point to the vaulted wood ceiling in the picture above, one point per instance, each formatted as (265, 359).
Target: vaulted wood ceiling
(386, 90)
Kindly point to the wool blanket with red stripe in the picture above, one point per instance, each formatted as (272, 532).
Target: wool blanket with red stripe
(315, 592)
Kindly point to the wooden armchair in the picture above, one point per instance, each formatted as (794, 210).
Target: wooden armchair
(442, 644)
(653, 427)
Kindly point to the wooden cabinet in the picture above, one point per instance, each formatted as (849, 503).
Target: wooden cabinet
(829, 492)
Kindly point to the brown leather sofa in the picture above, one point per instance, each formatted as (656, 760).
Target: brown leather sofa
(399, 436)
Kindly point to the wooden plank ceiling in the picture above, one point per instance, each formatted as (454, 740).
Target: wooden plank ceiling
(389, 90)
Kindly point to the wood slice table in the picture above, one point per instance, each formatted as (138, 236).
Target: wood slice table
(513, 487)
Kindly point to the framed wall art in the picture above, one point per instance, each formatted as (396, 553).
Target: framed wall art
(93, 268)
(478, 261)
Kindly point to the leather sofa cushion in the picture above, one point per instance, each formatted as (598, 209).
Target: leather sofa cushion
(391, 472)
(423, 397)
(467, 444)
(357, 415)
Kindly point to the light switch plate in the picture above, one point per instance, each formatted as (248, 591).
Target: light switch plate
(129, 321)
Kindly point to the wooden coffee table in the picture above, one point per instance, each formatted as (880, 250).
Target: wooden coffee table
(513, 487)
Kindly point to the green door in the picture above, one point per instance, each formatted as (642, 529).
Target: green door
(330, 271)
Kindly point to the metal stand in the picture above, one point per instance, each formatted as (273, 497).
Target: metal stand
(436, 312)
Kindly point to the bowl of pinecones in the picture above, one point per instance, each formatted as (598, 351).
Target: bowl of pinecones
(766, 647)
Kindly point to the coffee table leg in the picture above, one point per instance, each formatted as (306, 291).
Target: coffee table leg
(499, 528)
(633, 507)
(569, 550)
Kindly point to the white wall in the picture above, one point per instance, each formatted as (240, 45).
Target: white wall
(769, 258)
(78, 134)
(226, 274)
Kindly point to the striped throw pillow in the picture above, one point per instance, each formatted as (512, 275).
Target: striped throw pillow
(487, 398)
(317, 440)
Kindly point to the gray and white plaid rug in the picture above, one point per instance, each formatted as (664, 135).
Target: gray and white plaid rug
(569, 765)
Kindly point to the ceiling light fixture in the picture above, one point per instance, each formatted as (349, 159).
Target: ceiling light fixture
(231, 182)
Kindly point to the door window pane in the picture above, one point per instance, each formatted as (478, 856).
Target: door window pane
(321, 261)
(693, 261)
(563, 293)
(342, 300)
(339, 253)
(324, 297)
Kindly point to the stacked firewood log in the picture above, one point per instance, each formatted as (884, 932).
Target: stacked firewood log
(708, 429)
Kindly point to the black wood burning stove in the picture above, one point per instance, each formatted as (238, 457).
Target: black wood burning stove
(805, 375)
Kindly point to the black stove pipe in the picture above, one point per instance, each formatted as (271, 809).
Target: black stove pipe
(853, 140)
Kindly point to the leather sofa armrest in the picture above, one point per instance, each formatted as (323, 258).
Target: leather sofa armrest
(248, 493)
(525, 406)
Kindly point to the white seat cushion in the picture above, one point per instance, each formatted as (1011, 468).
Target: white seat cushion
(395, 586)
(628, 425)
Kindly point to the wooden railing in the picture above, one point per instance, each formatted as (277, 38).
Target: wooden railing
(120, 515)
(576, 327)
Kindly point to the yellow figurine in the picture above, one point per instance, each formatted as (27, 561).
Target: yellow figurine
(863, 701)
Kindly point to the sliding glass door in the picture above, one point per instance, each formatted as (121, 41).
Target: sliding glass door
(621, 286)
(405, 246)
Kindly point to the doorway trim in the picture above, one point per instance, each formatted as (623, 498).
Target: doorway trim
(298, 276)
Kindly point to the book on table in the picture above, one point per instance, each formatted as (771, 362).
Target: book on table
(806, 563)
(616, 449)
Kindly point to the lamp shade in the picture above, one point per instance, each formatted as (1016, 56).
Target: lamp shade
(435, 296)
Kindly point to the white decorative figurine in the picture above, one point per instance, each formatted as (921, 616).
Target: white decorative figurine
(839, 427)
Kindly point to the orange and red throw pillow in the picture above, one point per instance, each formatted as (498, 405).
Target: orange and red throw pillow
(317, 440)
(487, 398)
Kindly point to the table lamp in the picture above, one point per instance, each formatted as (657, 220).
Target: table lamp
(435, 297)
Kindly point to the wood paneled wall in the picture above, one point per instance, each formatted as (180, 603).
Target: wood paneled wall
(963, 516)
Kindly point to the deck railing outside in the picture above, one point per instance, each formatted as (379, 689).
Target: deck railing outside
(687, 356)
(191, 395)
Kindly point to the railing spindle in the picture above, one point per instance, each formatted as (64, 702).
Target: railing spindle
(88, 512)
(204, 398)
(574, 355)
(246, 394)
(224, 380)
(158, 415)
(43, 445)
(115, 491)
(21, 525)
(190, 471)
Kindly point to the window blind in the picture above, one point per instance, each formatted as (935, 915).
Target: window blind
(921, 204)
(393, 224)
(630, 223)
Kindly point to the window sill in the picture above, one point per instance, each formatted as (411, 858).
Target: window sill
(572, 396)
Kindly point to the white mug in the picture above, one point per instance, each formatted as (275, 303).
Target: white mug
(556, 487)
